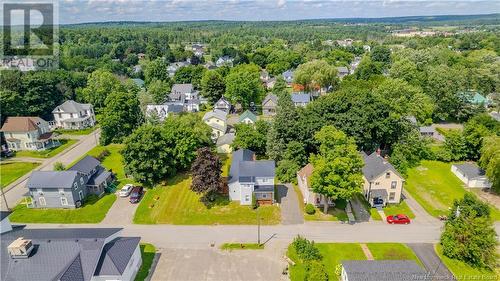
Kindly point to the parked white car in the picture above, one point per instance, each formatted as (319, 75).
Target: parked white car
(125, 191)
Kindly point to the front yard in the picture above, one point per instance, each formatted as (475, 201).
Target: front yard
(463, 271)
(435, 187)
(396, 209)
(334, 253)
(336, 213)
(93, 211)
(175, 203)
(47, 153)
(9, 172)
(148, 252)
(75, 132)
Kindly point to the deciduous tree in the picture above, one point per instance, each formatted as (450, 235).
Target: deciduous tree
(206, 172)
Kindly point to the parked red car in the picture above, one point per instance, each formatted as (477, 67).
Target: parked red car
(398, 219)
(136, 194)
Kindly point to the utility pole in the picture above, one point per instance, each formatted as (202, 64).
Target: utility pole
(258, 227)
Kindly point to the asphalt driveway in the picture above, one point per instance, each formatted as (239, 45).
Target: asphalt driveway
(289, 203)
(121, 213)
(432, 263)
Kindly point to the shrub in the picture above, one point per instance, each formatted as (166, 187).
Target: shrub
(306, 250)
(58, 166)
(310, 210)
(103, 155)
(255, 204)
(315, 271)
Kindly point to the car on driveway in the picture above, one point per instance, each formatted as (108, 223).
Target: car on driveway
(125, 191)
(136, 194)
(398, 219)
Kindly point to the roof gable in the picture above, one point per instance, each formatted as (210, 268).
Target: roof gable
(85, 165)
(270, 100)
(375, 166)
(248, 114)
(22, 124)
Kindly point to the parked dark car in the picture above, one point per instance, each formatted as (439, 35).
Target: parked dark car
(136, 194)
(398, 219)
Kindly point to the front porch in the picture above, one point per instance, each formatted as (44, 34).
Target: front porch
(377, 198)
(77, 123)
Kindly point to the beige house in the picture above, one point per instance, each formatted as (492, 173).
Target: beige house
(224, 143)
(269, 105)
(382, 183)
(217, 120)
(28, 133)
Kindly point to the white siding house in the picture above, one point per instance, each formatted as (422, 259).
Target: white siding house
(471, 175)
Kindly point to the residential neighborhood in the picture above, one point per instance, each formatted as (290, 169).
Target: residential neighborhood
(256, 141)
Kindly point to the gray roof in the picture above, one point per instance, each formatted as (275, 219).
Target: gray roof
(71, 106)
(375, 165)
(374, 193)
(60, 254)
(99, 177)
(270, 97)
(386, 270)
(470, 170)
(226, 139)
(52, 179)
(245, 169)
(301, 98)
(219, 114)
(182, 88)
(427, 129)
(4, 214)
(343, 69)
(85, 165)
(116, 255)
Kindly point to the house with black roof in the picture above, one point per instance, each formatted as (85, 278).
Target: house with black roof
(386, 270)
(71, 254)
(249, 177)
(68, 189)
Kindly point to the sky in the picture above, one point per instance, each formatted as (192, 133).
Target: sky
(80, 11)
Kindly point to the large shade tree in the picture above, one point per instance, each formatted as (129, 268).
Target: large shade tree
(206, 172)
(337, 167)
(316, 75)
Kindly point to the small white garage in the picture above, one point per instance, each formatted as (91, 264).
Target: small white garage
(471, 175)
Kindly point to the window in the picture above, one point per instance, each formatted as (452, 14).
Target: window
(264, 195)
(247, 198)
(265, 180)
(42, 202)
(64, 201)
(80, 194)
(75, 185)
(387, 175)
(394, 184)
(392, 195)
(81, 180)
(377, 183)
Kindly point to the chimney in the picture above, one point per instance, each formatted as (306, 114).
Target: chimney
(20, 248)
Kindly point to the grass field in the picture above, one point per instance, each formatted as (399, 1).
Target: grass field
(147, 253)
(76, 132)
(336, 213)
(9, 172)
(435, 187)
(334, 253)
(47, 153)
(464, 271)
(401, 208)
(92, 211)
(175, 203)
(241, 246)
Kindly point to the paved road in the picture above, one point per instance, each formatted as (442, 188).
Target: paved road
(289, 203)
(15, 191)
(432, 263)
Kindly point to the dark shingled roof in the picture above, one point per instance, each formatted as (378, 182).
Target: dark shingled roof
(4, 214)
(245, 169)
(52, 179)
(470, 170)
(375, 165)
(383, 270)
(59, 254)
(116, 255)
(85, 165)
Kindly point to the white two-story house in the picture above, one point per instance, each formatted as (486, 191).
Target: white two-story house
(217, 120)
(74, 116)
(28, 133)
(249, 177)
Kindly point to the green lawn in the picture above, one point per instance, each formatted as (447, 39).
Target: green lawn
(226, 163)
(147, 253)
(175, 203)
(47, 153)
(76, 132)
(241, 246)
(334, 253)
(435, 187)
(336, 213)
(92, 211)
(463, 271)
(10, 172)
(401, 208)
(392, 251)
